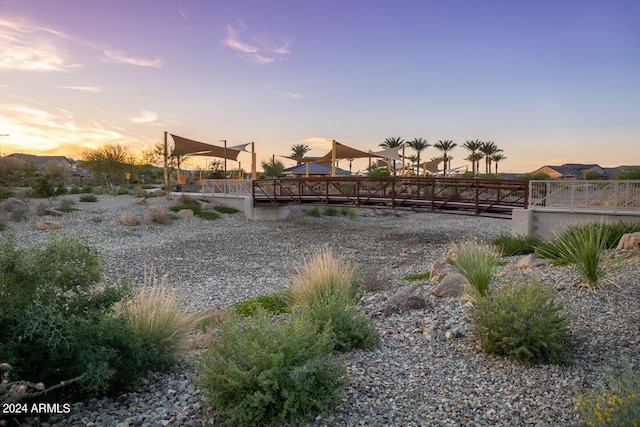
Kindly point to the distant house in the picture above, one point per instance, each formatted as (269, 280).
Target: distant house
(580, 171)
(40, 162)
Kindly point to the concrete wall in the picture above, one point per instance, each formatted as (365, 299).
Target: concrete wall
(545, 222)
(245, 204)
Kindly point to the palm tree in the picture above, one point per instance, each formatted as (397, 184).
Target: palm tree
(488, 148)
(497, 158)
(298, 151)
(413, 158)
(419, 145)
(474, 147)
(392, 142)
(445, 146)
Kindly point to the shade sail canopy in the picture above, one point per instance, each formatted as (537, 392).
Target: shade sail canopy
(431, 166)
(344, 152)
(184, 146)
(389, 153)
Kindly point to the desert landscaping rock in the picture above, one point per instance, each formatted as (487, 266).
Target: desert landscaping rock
(185, 213)
(128, 220)
(48, 225)
(453, 285)
(631, 242)
(427, 370)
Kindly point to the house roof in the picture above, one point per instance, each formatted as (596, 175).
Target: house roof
(314, 169)
(41, 161)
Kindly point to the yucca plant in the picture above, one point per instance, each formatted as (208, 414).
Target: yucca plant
(476, 262)
(582, 246)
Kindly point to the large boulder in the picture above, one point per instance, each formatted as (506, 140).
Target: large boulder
(157, 215)
(406, 299)
(452, 286)
(440, 268)
(13, 205)
(530, 261)
(128, 220)
(630, 242)
(48, 225)
(185, 213)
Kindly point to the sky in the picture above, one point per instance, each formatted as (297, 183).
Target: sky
(549, 82)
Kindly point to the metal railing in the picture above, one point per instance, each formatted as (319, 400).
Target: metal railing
(611, 196)
(235, 187)
(476, 196)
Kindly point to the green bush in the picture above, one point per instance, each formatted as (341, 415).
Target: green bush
(615, 401)
(313, 211)
(5, 193)
(418, 276)
(582, 246)
(197, 211)
(477, 263)
(42, 188)
(523, 322)
(88, 198)
(67, 205)
(509, 245)
(61, 323)
(275, 303)
(330, 211)
(225, 209)
(260, 372)
(350, 213)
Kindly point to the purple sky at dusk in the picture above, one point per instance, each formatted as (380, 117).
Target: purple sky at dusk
(549, 82)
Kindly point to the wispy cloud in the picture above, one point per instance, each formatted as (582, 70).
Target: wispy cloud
(145, 117)
(92, 89)
(31, 48)
(283, 92)
(119, 57)
(319, 142)
(259, 50)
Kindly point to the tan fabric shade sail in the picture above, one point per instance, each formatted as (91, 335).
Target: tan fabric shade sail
(184, 146)
(431, 166)
(344, 152)
(389, 153)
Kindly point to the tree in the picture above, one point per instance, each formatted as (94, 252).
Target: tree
(298, 151)
(108, 162)
(488, 148)
(12, 171)
(392, 142)
(445, 146)
(272, 168)
(418, 145)
(56, 172)
(497, 158)
(473, 146)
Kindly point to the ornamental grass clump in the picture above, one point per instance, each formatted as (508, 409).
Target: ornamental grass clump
(476, 262)
(259, 371)
(509, 245)
(613, 402)
(325, 290)
(582, 246)
(523, 322)
(155, 317)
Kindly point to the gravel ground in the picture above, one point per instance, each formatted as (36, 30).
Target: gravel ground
(409, 379)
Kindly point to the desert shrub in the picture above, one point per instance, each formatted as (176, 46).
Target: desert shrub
(509, 245)
(67, 205)
(615, 401)
(313, 211)
(5, 193)
(371, 280)
(74, 190)
(225, 209)
(208, 215)
(582, 246)
(42, 209)
(87, 189)
(157, 215)
(476, 262)
(324, 289)
(523, 322)
(275, 303)
(418, 276)
(43, 188)
(155, 317)
(260, 372)
(330, 211)
(350, 213)
(88, 198)
(61, 323)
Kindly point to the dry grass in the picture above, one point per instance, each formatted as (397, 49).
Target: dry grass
(154, 314)
(323, 277)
